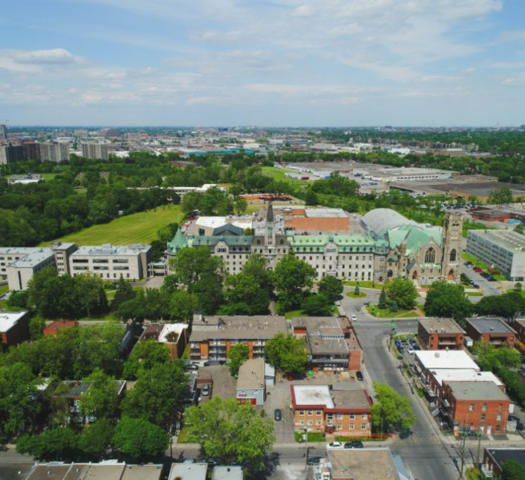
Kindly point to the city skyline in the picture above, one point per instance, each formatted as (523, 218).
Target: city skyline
(273, 63)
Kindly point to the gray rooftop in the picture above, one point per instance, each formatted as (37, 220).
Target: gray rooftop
(33, 259)
(251, 374)
(507, 239)
(353, 399)
(237, 327)
(437, 325)
(363, 464)
(325, 213)
(111, 250)
(477, 391)
(490, 325)
(188, 471)
(501, 455)
(227, 473)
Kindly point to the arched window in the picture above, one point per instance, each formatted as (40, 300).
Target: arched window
(258, 242)
(453, 255)
(430, 256)
(281, 242)
(390, 274)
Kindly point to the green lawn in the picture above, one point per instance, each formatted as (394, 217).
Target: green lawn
(479, 264)
(279, 174)
(136, 228)
(295, 313)
(48, 176)
(384, 313)
(4, 289)
(474, 294)
(254, 207)
(353, 295)
(364, 284)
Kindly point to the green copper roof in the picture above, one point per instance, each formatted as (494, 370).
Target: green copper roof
(178, 243)
(231, 240)
(414, 235)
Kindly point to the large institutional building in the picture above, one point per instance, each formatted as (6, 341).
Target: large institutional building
(392, 246)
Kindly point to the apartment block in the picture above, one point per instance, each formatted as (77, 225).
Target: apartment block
(491, 330)
(112, 262)
(212, 337)
(475, 406)
(332, 342)
(11, 154)
(62, 252)
(32, 151)
(440, 334)
(54, 152)
(98, 151)
(505, 249)
(320, 408)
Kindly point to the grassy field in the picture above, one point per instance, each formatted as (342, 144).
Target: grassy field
(364, 284)
(353, 295)
(279, 174)
(48, 176)
(136, 228)
(384, 313)
(4, 289)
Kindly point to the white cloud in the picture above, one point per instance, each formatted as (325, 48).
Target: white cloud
(511, 36)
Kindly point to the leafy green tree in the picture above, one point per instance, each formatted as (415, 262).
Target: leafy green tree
(509, 305)
(183, 305)
(331, 287)
(311, 198)
(97, 438)
(101, 398)
(519, 229)
(391, 409)
(383, 299)
(166, 233)
(241, 206)
(18, 300)
(158, 247)
(36, 327)
(317, 305)
(493, 359)
(145, 355)
(91, 294)
(232, 432)
(36, 287)
(448, 300)
(501, 195)
(402, 292)
(123, 293)
(255, 266)
(244, 296)
(512, 470)
(357, 291)
(18, 390)
(287, 353)
(140, 439)
(293, 278)
(158, 394)
(56, 444)
(237, 355)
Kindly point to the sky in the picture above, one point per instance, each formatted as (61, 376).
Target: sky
(262, 62)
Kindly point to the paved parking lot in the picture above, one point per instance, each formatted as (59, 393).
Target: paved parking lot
(224, 385)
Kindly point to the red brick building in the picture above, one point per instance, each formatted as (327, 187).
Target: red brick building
(14, 328)
(475, 406)
(492, 330)
(440, 334)
(519, 326)
(173, 335)
(494, 458)
(319, 408)
(332, 342)
(54, 327)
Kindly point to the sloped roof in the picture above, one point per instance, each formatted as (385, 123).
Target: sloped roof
(178, 243)
(415, 236)
(230, 240)
(382, 219)
(228, 230)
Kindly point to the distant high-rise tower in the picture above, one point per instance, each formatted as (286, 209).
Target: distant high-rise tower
(3, 132)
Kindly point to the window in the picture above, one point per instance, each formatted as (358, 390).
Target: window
(310, 423)
(99, 260)
(340, 416)
(301, 422)
(352, 416)
(310, 413)
(319, 413)
(484, 407)
(453, 255)
(351, 427)
(499, 418)
(430, 256)
(483, 417)
(301, 413)
(318, 423)
(471, 407)
(364, 416)
(364, 426)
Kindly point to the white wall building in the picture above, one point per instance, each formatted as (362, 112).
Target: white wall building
(251, 385)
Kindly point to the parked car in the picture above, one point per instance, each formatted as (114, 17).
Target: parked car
(490, 278)
(410, 350)
(413, 342)
(205, 389)
(335, 445)
(477, 270)
(359, 375)
(354, 318)
(314, 460)
(353, 444)
(417, 347)
(398, 343)
(278, 415)
(404, 342)
(475, 285)
(401, 349)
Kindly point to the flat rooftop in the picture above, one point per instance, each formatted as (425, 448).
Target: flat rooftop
(507, 239)
(440, 325)
(251, 374)
(446, 359)
(33, 259)
(465, 375)
(322, 395)
(9, 319)
(363, 464)
(501, 455)
(237, 327)
(325, 213)
(477, 391)
(188, 471)
(110, 250)
(490, 325)
(227, 473)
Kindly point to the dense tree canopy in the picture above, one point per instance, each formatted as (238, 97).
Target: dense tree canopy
(293, 278)
(448, 300)
(403, 292)
(390, 409)
(287, 353)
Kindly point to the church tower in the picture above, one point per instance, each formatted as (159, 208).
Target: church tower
(451, 246)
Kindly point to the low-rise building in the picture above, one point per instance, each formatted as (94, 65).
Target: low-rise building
(26, 179)
(505, 249)
(494, 459)
(21, 270)
(212, 337)
(227, 473)
(491, 330)
(251, 383)
(475, 406)
(173, 335)
(111, 262)
(440, 334)
(188, 471)
(320, 408)
(332, 342)
(14, 328)
(375, 463)
(54, 327)
(519, 326)
(428, 361)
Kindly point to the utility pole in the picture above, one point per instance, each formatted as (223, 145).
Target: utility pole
(462, 456)
(478, 459)
(306, 449)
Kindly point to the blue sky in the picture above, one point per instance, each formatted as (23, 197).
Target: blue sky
(262, 62)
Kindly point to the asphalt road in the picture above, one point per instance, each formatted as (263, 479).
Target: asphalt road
(422, 451)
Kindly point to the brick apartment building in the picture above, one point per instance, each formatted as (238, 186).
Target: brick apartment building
(440, 334)
(319, 408)
(475, 406)
(519, 326)
(212, 337)
(492, 330)
(332, 342)
(494, 458)
(14, 328)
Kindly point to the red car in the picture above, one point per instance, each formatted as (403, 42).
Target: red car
(478, 270)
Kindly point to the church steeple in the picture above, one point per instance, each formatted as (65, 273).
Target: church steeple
(270, 230)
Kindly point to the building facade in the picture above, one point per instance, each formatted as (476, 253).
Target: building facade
(98, 151)
(403, 249)
(14, 328)
(54, 152)
(11, 154)
(491, 330)
(440, 334)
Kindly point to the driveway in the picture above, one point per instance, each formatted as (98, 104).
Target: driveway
(224, 385)
(279, 396)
